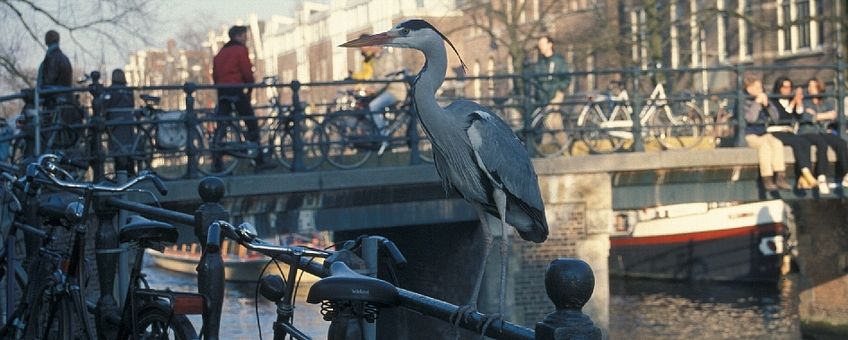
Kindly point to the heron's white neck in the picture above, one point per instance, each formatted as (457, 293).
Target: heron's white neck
(431, 77)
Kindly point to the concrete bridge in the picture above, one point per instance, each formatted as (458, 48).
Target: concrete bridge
(438, 230)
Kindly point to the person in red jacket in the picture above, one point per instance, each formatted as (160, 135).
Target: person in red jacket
(232, 66)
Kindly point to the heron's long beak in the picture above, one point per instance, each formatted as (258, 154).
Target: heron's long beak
(371, 40)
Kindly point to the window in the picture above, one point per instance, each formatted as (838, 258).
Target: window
(746, 38)
(728, 30)
(681, 42)
(819, 23)
(798, 30)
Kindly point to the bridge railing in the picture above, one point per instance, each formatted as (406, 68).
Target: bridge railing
(568, 282)
(324, 125)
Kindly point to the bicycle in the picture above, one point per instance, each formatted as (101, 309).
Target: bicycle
(151, 313)
(550, 128)
(347, 298)
(282, 140)
(56, 134)
(56, 305)
(605, 133)
(158, 140)
(352, 134)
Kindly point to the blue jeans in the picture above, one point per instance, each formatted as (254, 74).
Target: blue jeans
(378, 105)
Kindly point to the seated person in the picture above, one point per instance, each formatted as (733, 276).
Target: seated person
(818, 112)
(756, 110)
(789, 107)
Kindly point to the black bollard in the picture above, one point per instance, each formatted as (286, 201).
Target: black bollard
(106, 256)
(210, 270)
(569, 284)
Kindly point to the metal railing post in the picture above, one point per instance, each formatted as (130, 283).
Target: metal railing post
(191, 124)
(98, 127)
(210, 270)
(840, 98)
(636, 129)
(123, 259)
(527, 112)
(106, 249)
(739, 139)
(369, 255)
(297, 135)
(569, 284)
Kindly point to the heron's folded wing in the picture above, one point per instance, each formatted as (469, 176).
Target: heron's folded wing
(504, 158)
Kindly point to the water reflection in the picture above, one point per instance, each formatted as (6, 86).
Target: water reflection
(650, 309)
(238, 320)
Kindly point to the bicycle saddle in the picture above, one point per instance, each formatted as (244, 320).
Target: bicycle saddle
(345, 284)
(150, 99)
(144, 230)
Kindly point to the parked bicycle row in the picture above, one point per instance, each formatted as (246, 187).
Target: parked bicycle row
(50, 291)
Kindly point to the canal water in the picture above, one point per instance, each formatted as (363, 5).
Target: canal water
(639, 309)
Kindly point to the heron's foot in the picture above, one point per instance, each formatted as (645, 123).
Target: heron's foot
(462, 313)
(491, 318)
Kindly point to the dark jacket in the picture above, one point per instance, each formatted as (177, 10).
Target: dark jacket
(56, 68)
(807, 121)
(757, 116)
(118, 106)
(549, 84)
(232, 65)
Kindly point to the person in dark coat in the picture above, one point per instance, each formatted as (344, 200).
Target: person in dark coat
(551, 87)
(56, 72)
(789, 106)
(118, 106)
(232, 66)
(56, 69)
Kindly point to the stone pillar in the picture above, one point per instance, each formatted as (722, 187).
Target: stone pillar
(821, 230)
(578, 208)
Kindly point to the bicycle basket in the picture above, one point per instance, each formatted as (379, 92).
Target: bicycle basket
(171, 134)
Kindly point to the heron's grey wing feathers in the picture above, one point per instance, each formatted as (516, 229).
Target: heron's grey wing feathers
(501, 152)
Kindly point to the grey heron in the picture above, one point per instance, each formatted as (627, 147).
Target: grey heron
(475, 152)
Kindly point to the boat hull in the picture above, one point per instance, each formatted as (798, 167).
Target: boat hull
(752, 253)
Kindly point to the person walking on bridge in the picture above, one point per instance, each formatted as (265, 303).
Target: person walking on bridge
(232, 66)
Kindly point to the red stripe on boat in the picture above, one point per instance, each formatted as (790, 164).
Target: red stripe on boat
(697, 236)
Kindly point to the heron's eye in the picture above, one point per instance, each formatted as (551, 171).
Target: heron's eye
(404, 32)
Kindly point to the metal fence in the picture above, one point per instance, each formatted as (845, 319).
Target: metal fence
(662, 109)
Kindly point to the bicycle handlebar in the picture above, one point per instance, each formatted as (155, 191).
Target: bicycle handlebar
(245, 235)
(46, 164)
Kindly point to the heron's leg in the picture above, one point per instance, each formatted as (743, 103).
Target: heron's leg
(500, 203)
(488, 240)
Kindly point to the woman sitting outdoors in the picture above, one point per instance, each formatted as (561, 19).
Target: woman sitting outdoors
(818, 112)
(789, 107)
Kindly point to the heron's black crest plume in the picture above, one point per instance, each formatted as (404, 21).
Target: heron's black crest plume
(417, 24)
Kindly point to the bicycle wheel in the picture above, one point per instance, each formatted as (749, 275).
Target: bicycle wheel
(551, 133)
(170, 161)
(311, 135)
(52, 317)
(226, 145)
(157, 322)
(602, 135)
(681, 129)
(350, 139)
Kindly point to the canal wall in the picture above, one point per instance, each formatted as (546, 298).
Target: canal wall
(443, 259)
(822, 248)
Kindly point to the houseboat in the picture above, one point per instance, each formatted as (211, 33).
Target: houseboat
(725, 242)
